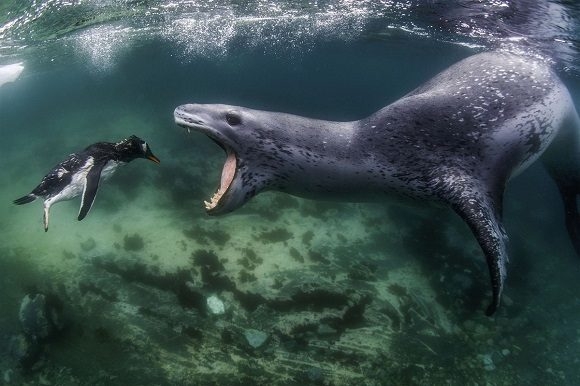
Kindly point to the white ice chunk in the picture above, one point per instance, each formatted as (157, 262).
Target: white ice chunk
(10, 72)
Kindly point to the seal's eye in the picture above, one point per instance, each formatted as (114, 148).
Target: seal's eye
(233, 118)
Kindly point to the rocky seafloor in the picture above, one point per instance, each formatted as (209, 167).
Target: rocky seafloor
(286, 291)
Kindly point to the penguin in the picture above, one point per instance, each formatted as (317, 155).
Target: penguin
(82, 172)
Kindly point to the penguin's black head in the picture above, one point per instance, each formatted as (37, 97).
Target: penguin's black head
(134, 147)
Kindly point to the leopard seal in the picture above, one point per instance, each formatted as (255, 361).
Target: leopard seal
(457, 139)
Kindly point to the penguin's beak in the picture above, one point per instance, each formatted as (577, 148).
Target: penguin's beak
(149, 155)
(153, 158)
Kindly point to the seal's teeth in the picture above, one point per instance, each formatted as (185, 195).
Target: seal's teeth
(213, 202)
(228, 174)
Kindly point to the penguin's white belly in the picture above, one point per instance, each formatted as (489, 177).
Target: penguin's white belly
(79, 179)
(109, 169)
(76, 186)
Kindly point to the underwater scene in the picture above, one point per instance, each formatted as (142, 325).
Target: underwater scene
(150, 288)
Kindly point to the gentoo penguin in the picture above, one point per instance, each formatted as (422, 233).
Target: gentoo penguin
(81, 173)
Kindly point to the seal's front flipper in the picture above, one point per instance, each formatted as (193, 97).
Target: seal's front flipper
(90, 189)
(482, 212)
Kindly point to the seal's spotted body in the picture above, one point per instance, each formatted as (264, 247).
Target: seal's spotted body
(457, 139)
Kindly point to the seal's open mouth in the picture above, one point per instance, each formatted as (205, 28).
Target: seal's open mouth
(230, 166)
(228, 174)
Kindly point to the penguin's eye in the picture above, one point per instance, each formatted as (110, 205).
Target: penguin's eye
(144, 147)
(233, 118)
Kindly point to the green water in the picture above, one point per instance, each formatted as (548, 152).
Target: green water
(378, 294)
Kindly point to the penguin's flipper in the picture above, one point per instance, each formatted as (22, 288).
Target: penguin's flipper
(90, 190)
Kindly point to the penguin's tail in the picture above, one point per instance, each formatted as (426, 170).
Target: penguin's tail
(25, 200)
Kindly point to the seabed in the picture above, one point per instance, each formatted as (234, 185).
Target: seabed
(300, 292)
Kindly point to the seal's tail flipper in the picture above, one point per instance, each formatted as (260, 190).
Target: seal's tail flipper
(25, 200)
(562, 161)
(569, 192)
(572, 216)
